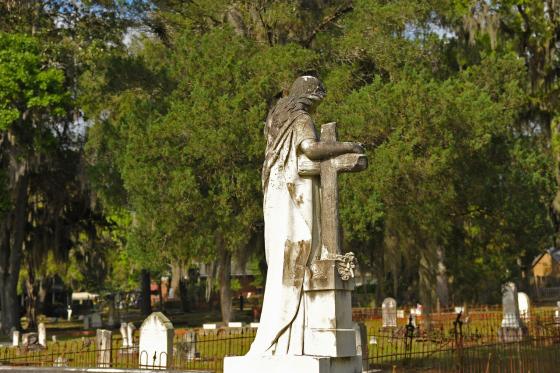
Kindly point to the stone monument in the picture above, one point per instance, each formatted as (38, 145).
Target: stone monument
(512, 328)
(306, 320)
(389, 313)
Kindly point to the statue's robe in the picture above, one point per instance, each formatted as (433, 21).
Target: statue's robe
(291, 217)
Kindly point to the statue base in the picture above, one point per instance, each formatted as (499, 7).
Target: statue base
(292, 364)
(329, 330)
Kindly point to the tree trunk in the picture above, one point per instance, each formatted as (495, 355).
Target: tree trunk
(145, 293)
(12, 233)
(442, 284)
(176, 275)
(31, 309)
(224, 276)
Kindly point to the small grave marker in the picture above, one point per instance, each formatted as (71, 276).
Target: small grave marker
(389, 313)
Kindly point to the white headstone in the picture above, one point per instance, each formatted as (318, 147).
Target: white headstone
(510, 306)
(524, 305)
(459, 310)
(400, 314)
(15, 338)
(103, 340)
(235, 324)
(389, 313)
(209, 326)
(124, 334)
(254, 325)
(69, 313)
(42, 334)
(156, 342)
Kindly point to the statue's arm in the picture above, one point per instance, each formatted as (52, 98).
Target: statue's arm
(317, 150)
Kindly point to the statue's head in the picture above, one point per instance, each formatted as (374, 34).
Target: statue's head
(308, 89)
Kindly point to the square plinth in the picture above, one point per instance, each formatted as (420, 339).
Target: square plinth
(292, 364)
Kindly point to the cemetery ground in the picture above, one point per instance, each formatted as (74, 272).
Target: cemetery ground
(466, 342)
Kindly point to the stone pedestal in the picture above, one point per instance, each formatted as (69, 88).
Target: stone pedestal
(292, 364)
(329, 329)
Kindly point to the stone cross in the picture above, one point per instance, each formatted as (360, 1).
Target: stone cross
(389, 313)
(329, 169)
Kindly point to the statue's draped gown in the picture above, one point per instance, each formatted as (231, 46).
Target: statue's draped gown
(291, 217)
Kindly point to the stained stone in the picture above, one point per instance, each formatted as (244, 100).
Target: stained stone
(389, 313)
(103, 345)
(130, 328)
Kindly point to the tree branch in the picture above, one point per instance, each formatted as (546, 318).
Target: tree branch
(326, 22)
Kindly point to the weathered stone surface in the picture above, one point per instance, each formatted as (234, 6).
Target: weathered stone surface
(510, 305)
(103, 345)
(156, 342)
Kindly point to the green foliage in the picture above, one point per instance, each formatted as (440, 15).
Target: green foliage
(26, 86)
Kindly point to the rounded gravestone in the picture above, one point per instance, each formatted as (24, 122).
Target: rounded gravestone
(156, 342)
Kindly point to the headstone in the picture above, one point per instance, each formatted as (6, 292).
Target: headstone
(557, 313)
(42, 334)
(235, 324)
(156, 342)
(15, 338)
(28, 339)
(69, 312)
(87, 322)
(510, 305)
(254, 325)
(103, 341)
(362, 349)
(459, 310)
(209, 326)
(190, 340)
(524, 304)
(130, 328)
(53, 338)
(124, 334)
(512, 328)
(389, 313)
(96, 320)
(400, 314)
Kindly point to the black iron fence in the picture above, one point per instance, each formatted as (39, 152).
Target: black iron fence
(478, 340)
